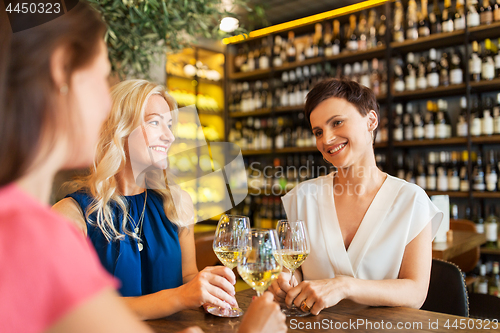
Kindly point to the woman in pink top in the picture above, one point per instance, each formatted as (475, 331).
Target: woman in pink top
(53, 100)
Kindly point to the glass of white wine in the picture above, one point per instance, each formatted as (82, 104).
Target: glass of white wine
(261, 263)
(228, 245)
(294, 244)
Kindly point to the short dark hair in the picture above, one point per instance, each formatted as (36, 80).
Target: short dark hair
(358, 95)
(27, 88)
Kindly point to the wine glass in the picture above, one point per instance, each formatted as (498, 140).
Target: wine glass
(261, 263)
(228, 245)
(294, 244)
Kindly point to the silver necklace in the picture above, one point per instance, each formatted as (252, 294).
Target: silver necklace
(138, 227)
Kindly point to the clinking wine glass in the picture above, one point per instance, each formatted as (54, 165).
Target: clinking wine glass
(261, 263)
(228, 245)
(294, 244)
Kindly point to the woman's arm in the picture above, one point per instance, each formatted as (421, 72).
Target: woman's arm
(71, 210)
(410, 289)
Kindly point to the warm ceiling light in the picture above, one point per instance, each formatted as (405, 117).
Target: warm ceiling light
(229, 24)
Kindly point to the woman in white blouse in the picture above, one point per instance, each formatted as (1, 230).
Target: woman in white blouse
(371, 233)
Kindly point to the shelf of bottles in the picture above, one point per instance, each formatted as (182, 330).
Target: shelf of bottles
(435, 71)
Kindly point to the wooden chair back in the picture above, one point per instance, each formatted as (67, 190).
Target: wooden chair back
(466, 261)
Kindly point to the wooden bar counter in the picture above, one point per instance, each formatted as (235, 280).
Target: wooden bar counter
(462, 242)
(346, 316)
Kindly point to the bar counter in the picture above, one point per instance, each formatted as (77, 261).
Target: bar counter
(345, 316)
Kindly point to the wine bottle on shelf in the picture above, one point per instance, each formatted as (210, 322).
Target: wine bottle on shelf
(408, 122)
(448, 17)
(277, 61)
(418, 125)
(381, 30)
(459, 15)
(488, 65)
(491, 228)
(420, 176)
(431, 172)
(400, 171)
(486, 13)
(454, 212)
(421, 74)
(496, 58)
(478, 219)
(464, 172)
(496, 116)
(336, 38)
(482, 283)
(310, 50)
(442, 173)
(251, 62)
(491, 175)
(409, 169)
(456, 72)
(328, 41)
(487, 120)
(352, 42)
(424, 29)
(375, 77)
(432, 70)
(430, 128)
(291, 51)
(362, 33)
(440, 122)
(444, 70)
(473, 19)
(320, 42)
(435, 19)
(478, 175)
(411, 20)
(264, 55)
(462, 123)
(494, 281)
(372, 42)
(410, 72)
(398, 124)
(398, 34)
(476, 119)
(399, 80)
(365, 74)
(453, 173)
(475, 64)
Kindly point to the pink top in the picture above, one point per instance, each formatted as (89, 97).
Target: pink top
(47, 268)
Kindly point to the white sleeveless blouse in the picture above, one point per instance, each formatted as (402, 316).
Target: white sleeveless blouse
(397, 214)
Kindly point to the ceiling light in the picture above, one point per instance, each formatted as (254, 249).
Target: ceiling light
(229, 24)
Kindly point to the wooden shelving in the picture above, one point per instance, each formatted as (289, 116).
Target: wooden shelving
(484, 31)
(297, 150)
(256, 152)
(441, 40)
(486, 195)
(376, 52)
(427, 142)
(441, 91)
(485, 250)
(485, 86)
(451, 194)
(259, 73)
(293, 108)
(199, 79)
(296, 64)
(259, 112)
(486, 139)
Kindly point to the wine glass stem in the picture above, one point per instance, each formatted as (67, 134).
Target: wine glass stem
(259, 293)
(291, 277)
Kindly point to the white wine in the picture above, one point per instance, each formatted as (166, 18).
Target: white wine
(293, 259)
(228, 256)
(257, 277)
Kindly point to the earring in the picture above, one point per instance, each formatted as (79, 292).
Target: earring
(64, 89)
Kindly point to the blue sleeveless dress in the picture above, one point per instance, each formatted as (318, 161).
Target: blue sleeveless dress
(158, 266)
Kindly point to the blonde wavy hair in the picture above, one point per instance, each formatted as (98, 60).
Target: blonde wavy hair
(130, 98)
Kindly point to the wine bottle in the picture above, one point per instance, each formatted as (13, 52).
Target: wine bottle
(422, 74)
(491, 228)
(320, 42)
(453, 173)
(375, 77)
(410, 72)
(448, 17)
(478, 175)
(488, 65)
(398, 124)
(398, 34)
(336, 38)
(482, 283)
(486, 13)
(473, 19)
(435, 19)
(491, 175)
(459, 15)
(277, 61)
(496, 116)
(381, 30)
(464, 172)
(476, 119)
(418, 125)
(442, 173)
(365, 74)
(487, 121)
(372, 41)
(352, 43)
(431, 172)
(411, 21)
(478, 219)
(462, 123)
(432, 70)
(328, 41)
(291, 51)
(496, 11)
(420, 177)
(424, 25)
(444, 70)
(475, 64)
(430, 129)
(408, 122)
(440, 122)
(399, 81)
(362, 33)
(456, 72)
(264, 55)
(494, 281)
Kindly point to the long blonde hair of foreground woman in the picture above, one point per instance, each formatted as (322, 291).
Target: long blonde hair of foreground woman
(127, 114)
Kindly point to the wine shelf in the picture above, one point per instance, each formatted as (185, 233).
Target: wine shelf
(441, 40)
(441, 91)
(486, 139)
(259, 112)
(346, 56)
(485, 86)
(485, 31)
(257, 74)
(199, 79)
(485, 250)
(486, 195)
(256, 152)
(294, 108)
(427, 142)
(451, 194)
(297, 150)
(296, 64)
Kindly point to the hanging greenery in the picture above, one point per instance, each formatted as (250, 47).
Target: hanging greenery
(139, 29)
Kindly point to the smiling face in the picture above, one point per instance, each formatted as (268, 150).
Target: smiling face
(343, 135)
(149, 143)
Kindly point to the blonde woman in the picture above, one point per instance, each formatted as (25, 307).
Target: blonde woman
(141, 226)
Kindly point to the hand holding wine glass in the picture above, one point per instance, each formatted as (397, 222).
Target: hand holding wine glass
(228, 245)
(261, 264)
(294, 244)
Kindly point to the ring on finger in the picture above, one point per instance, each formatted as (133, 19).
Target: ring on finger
(304, 307)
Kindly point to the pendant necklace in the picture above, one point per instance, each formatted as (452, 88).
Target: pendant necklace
(137, 232)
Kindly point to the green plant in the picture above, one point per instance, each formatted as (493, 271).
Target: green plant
(140, 29)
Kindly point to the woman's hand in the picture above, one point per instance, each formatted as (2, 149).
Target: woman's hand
(319, 294)
(213, 286)
(281, 286)
(263, 315)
